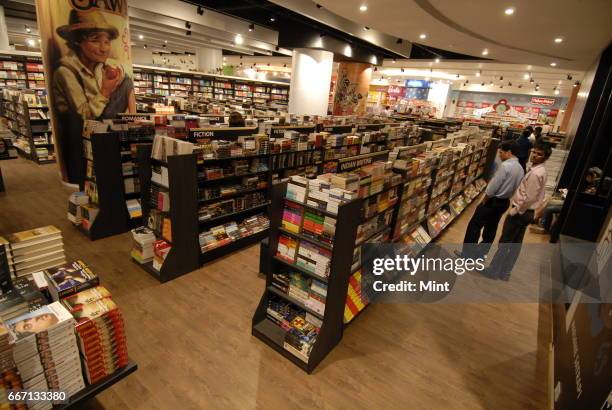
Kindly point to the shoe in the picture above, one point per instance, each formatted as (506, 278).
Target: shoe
(487, 273)
(537, 229)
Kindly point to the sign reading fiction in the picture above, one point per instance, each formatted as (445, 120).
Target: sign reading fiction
(361, 160)
(197, 134)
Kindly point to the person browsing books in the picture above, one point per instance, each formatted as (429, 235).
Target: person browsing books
(528, 198)
(524, 146)
(494, 204)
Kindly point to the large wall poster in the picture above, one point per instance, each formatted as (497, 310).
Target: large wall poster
(352, 88)
(86, 53)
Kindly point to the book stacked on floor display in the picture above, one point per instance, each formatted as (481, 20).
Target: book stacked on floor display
(100, 332)
(46, 351)
(35, 250)
(10, 379)
(76, 201)
(142, 244)
(23, 297)
(70, 278)
(230, 232)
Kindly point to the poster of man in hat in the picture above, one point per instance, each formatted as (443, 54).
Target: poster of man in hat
(86, 52)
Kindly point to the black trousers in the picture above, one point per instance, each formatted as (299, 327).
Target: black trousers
(485, 220)
(509, 249)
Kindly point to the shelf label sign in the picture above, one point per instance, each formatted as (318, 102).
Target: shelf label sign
(88, 70)
(361, 160)
(542, 101)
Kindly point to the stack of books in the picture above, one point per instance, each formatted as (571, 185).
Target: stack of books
(230, 232)
(9, 375)
(161, 248)
(35, 250)
(75, 202)
(142, 244)
(457, 204)
(69, 279)
(134, 208)
(287, 248)
(24, 297)
(316, 296)
(314, 259)
(100, 332)
(46, 352)
(320, 227)
(166, 146)
(292, 217)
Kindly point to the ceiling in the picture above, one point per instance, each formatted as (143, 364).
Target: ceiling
(472, 26)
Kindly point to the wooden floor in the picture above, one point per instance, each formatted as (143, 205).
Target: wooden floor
(192, 337)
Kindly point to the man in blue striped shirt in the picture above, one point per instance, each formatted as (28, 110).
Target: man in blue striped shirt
(495, 203)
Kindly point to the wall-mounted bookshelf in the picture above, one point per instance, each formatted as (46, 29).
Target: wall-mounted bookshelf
(22, 72)
(175, 83)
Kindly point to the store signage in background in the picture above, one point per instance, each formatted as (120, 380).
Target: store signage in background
(72, 35)
(417, 84)
(395, 91)
(542, 101)
(485, 105)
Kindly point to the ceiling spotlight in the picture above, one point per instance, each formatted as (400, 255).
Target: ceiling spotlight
(501, 86)
(576, 84)
(188, 32)
(145, 46)
(509, 11)
(465, 84)
(467, 81)
(553, 64)
(165, 41)
(318, 6)
(509, 84)
(28, 29)
(491, 83)
(457, 75)
(437, 60)
(363, 8)
(375, 68)
(402, 69)
(238, 39)
(140, 37)
(478, 73)
(268, 64)
(559, 40)
(187, 24)
(501, 78)
(569, 77)
(393, 61)
(399, 41)
(556, 92)
(482, 84)
(272, 19)
(366, 28)
(520, 86)
(531, 80)
(525, 76)
(251, 27)
(423, 36)
(285, 65)
(485, 52)
(200, 10)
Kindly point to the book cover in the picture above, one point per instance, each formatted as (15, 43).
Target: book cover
(70, 278)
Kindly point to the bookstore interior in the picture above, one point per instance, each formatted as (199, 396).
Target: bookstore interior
(211, 183)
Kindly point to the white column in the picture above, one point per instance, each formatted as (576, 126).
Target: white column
(311, 72)
(437, 96)
(4, 41)
(208, 59)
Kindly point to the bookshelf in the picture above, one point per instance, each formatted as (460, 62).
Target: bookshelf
(26, 114)
(22, 72)
(109, 155)
(217, 197)
(176, 83)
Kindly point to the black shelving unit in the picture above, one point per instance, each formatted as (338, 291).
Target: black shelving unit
(332, 328)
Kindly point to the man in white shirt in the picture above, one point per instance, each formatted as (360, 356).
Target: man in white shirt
(528, 197)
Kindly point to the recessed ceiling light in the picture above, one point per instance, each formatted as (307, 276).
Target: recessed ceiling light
(363, 8)
(238, 39)
(437, 60)
(553, 64)
(485, 52)
(423, 36)
(366, 28)
(272, 19)
(525, 76)
(509, 11)
(166, 41)
(393, 61)
(556, 92)
(478, 74)
(140, 37)
(28, 29)
(559, 40)
(251, 27)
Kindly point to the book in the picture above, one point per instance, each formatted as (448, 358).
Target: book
(69, 279)
(25, 238)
